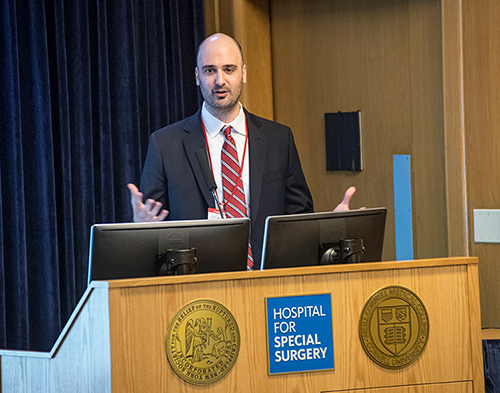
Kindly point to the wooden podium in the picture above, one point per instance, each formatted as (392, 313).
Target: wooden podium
(115, 339)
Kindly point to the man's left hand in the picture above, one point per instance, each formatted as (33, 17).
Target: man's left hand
(344, 205)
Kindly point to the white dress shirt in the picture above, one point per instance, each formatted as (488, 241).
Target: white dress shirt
(215, 139)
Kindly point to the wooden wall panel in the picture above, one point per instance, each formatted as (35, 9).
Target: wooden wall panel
(380, 57)
(428, 157)
(453, 111)
(482, 141)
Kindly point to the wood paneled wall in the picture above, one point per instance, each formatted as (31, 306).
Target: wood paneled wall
(482, 141)
(383, 58)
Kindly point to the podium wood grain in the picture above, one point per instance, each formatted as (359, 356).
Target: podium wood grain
(125, 352)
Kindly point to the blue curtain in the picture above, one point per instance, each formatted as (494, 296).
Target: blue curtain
(83, 84)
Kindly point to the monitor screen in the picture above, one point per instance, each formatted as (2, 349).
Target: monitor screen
(130, 250)
(323, 238)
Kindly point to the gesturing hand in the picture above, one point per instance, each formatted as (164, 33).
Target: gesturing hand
(145, 212)
(344, 205)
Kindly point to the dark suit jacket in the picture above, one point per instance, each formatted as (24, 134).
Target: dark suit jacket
(172, 174)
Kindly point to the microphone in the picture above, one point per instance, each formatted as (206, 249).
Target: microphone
(201, 156)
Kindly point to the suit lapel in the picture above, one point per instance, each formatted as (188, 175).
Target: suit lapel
(194, 141)
(257, 151)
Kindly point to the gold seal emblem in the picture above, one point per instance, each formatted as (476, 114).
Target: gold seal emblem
(394, 327)
(202, 342)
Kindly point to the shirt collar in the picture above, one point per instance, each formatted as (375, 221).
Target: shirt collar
(213, 125)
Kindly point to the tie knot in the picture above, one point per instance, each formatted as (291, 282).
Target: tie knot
(226, 131)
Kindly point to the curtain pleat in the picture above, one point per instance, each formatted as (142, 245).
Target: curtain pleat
(83, 85)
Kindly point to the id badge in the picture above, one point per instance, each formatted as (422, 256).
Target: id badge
(214, 214)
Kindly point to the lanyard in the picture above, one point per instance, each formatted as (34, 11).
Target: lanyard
(238, 181)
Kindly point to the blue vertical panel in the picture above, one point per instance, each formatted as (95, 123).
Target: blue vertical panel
(402, 207)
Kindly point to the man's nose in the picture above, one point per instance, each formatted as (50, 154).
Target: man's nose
(219, 79)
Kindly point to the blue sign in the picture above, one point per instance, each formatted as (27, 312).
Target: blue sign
(299, 330)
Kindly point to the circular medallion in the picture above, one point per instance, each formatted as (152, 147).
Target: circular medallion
(394, 327)
(202, 342)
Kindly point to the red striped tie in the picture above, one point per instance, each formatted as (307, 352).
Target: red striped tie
(234, 194)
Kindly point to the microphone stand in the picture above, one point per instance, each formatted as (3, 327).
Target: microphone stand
(217, 202)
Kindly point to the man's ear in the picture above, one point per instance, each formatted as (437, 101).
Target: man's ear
(196, 76)
(244, 71)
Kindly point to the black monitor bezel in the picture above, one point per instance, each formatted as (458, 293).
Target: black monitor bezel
(270, 259)
(214, 229)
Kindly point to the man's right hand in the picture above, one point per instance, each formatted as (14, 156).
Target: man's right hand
(145, 212)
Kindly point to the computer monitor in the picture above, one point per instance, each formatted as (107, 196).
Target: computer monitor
(323, 238)
(131, 250)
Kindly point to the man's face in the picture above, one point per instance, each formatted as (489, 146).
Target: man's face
(220, 73)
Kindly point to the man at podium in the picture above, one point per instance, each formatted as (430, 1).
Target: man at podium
(254, 161)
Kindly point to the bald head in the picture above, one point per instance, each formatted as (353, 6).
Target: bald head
(220, 73)
(218, 40)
